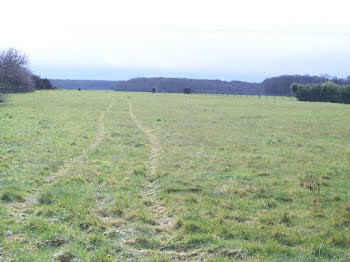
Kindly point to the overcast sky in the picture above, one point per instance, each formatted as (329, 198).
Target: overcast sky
(217, 39)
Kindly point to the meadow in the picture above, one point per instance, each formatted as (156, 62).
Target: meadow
(112, 176)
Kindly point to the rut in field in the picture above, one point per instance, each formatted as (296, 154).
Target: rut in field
(150, 188)
(155, 145)
(18, 209)
(158, 208)
(92, 146)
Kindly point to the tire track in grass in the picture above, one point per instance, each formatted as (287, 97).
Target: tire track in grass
(158, 208)
(18, 209)
(79, 158)
(155, 145)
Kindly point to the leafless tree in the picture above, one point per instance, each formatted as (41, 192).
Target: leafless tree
(14, 75)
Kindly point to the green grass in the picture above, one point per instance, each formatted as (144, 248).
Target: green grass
(234, 178)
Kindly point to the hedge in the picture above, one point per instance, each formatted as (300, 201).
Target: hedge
(325, 92)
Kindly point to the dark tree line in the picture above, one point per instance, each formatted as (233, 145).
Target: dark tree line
(281, 85)
(272, 86)
(324, 92)
(15, 76)
(177, 85)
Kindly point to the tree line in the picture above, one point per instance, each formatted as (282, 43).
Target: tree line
(323, 92)
(15, 76)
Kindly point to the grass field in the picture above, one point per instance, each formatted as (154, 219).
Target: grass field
(108, 176)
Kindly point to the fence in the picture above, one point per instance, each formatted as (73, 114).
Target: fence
(289, 96)
(258, 95)
(217, 92)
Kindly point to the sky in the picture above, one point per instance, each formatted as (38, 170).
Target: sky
(222, 39)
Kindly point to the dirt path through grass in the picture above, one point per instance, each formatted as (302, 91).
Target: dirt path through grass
(150, 194)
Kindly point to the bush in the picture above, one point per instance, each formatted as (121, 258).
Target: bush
(325, 92)
(14, 75)
(294, 88)
(42, 83)
(345, 95)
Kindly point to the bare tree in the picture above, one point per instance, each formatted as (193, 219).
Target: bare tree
(14, 75)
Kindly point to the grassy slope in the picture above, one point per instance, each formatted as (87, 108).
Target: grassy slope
(228, 178)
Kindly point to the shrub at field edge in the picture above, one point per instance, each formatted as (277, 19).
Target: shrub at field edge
(325, 92)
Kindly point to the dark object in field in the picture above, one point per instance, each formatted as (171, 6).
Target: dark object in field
(311, 182)
(79, 89)
(153, 90)
(187, 90)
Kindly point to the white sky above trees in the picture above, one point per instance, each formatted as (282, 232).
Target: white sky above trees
(243, 39)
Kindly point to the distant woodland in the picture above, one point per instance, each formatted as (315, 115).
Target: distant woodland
(271, 86)
(16, 77)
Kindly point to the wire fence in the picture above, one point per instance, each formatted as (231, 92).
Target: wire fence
(243, 94)
(258, 96)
